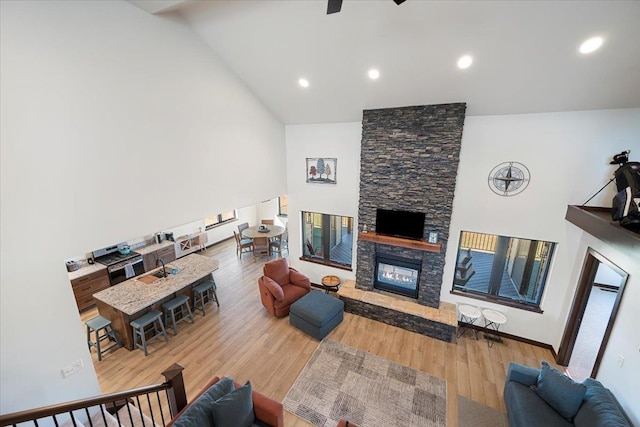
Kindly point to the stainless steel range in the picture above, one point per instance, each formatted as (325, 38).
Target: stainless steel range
(121, 264)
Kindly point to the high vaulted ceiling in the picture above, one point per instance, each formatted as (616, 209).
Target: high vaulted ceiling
(525, 54)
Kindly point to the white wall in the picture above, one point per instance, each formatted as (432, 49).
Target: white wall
(216, 234)
(625, 339)
(267, 209)
(341, 141)
(567, 155)
(225, 231)
(115, 124)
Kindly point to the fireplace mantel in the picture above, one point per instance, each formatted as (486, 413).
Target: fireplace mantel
(418, 245)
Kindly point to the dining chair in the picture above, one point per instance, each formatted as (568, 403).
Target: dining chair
(242, 227)
(243, 245)
(278, 243)
(285, 238)
(267, 221)
(260, 245)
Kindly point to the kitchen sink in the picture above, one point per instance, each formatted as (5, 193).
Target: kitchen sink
(147, 279)
(152, 277)
(158, 274)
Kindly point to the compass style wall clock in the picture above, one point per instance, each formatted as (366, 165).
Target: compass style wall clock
(509, 178)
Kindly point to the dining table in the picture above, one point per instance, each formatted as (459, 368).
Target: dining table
(256, 234)
(271, 231)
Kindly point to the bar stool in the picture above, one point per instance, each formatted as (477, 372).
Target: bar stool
(96, 325)
(209, 288)
(180, 302)
(468, 316)
(154, 317)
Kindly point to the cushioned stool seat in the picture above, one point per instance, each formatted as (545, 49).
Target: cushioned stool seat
(316, 314)
(98, 324)
(204, 292)
(181, 302)
(153, 318)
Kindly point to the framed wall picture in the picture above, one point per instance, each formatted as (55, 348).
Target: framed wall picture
(322, 170)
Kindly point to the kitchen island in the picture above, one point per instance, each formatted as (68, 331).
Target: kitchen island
(135, 297)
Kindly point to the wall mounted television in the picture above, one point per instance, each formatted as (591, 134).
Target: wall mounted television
(409, 225)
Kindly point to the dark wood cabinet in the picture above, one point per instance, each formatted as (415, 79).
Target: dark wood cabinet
(84, 287)
(166, 254)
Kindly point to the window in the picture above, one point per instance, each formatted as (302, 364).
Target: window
(327, 239)
(217, 220)
(282, 206)
(506, 270)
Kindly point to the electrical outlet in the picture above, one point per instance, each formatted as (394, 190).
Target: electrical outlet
(620, 360)
(72, 368)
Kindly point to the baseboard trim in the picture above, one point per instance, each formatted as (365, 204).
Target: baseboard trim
(517, 338)
(217, 243)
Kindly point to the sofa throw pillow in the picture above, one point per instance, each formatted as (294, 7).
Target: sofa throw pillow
(234, 409)
(559, 391)
(274, 288)
(199, 412)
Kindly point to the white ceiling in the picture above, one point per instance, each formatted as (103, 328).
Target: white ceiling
(525, 54)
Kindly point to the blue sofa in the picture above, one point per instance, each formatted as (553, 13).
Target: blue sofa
(524, 399)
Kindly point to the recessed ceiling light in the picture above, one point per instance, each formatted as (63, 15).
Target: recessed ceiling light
(303, 82)
(374, 74)
(591, 45)
(465, 61)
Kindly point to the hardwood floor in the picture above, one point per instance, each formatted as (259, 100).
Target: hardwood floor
(240, 339)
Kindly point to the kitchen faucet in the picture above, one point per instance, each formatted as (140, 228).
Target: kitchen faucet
(164, 271)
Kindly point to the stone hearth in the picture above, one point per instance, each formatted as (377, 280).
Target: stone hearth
(439, 323)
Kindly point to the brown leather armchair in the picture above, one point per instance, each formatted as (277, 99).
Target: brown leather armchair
(281, 286)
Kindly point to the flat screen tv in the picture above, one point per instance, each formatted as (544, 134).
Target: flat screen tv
(409, 225)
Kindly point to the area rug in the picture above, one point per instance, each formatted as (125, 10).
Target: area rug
(342, 382)
(474, 414)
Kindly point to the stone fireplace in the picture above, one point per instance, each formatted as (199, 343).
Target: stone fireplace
(409, 162)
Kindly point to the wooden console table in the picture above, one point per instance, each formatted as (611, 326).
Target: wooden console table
(419, 245)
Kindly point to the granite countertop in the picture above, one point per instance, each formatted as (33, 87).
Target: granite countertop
(133, 295)
(154, 247)
(86, 269)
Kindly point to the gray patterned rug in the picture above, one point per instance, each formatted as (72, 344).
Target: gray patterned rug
(340, 381)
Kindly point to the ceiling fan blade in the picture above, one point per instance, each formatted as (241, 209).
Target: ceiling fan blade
(334, 6)
(399, 2)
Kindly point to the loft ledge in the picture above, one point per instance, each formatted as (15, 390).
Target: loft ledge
(597, 221)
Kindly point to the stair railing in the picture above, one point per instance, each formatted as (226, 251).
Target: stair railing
(140, 403)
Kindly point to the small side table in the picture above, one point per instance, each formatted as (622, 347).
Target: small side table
(468, 316)
(492, 321)
(330, 283)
